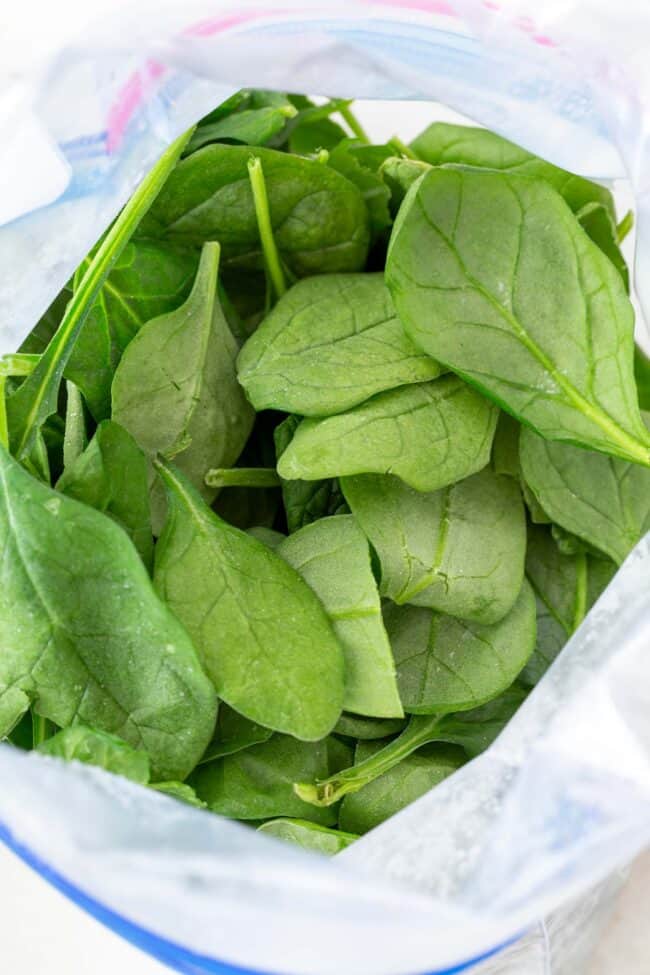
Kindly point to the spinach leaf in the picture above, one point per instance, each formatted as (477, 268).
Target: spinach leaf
(111, 476)
(318, 218)
(85, 637)
(442, 143)
(331, 342)
(79, 743)
(397, 788)
(602, 500)
(268, 536)
(309, 137)
(565, 587)
(475, 730)
(486, 304)
(75, 440)
(252, 126)
(149, 279)
(333, 557)
(459, 550)
(373, 189)
(233, 733)
(305, 501)
(262, 634)
(399, 175)
(642, 377)
(505, 448)
(599, 223)
(180, 791)
(175, 389)
(257, 783)
(38, 339)
(368, 729)
(428, 434)
(310, 836)
(445, 664)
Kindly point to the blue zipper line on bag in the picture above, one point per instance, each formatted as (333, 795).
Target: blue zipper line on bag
(169, 952)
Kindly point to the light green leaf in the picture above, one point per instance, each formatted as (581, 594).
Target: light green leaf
(492, 276)
(428, 434)
(233, 733)
(446, 664)
(310, 836)
(331, 342)
(262, 634)
(599, 223)
(253, 126)
(84, 634)
(333, 558)
(374, 191)
(459, 550)
(80, 743)
(368, 729)
(180, 791)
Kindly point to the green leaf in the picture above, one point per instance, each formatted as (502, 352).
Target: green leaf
(319, 219)
(308, 137)
(482, 266)
(368, 729)
(268, 536)
(37, 398)
(475, 730)
(149, 279)
(257, 783)
(602, 500)
(74, 439)
(459, 550)
(262, 634)
(38, 339)
(80, 743)
(233, 733)
(505, 448)
(397, 788)
(253, 127)
(400, 174)
(642, 377)
(445, 664)
(306, 501)
(111, 476)
(329, 344)
(373, 189)
(565, 587)
(442, 143)
(176, 389)
(84, 634)
(599, 223)
(310, 836)
(333, 557)
(428, 434)
(180, 791)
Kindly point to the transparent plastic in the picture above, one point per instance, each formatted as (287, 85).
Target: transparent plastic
(540, 825)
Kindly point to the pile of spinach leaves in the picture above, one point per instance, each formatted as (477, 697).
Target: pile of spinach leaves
(316, 464)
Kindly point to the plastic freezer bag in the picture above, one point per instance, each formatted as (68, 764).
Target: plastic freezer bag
(538, 826)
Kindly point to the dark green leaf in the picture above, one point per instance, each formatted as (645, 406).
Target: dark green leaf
(373, 189)
(233, 733)
(642, 376)
(253, 127)
(599, 223)
(308, 137)
(475, 730)
(80, 743)
(368, 729)
(306, 501)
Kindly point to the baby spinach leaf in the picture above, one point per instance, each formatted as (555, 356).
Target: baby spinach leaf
(331, 342)
(368, 729)
(269, 536)
(486, 304)
(602, 500)
(111, 476)
(149, 279)
(305, 501)
(253, 127)
(84, 635)
(399, 175)
(599, 223)
(233, 733)
(505, 448)
(318, 218)
(373, 189)
(175, 389)
(565, 587)
(475, 730)
(642, 377)
(262, 634)
(309, 137)
(428, 434)
(459, 550)
(79, 743)
(257, 783)
(445, 664)
(397, 788)
(310, 836)
(180, 791)
(443, 143)
(333, 557)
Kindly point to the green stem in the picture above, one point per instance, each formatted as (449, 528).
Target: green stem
(420, 730)
(580, 604)
(74, 438)
(624, 227)
(261, 200)
(402, 148)
(36, 399)
(354, 124)
(4, 432)
(42, 729)
(253, 477)
(18, 363)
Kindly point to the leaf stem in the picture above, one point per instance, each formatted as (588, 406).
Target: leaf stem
(36, 399)
(353, 123)
(420, 730)
(74, 438)
(4, 432)
(402, 148)
(42, 729)
(580, 604)
(265, 227)
(625, 226)
(253, 477)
